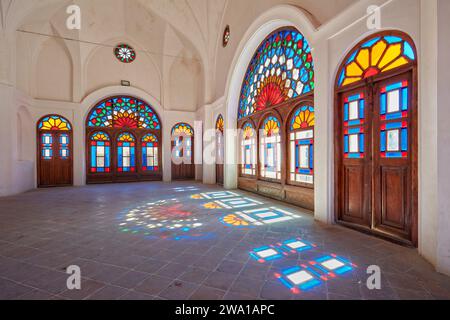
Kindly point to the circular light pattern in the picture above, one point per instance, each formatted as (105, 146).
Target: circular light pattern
(164, 218)
(125, 53)
(226, 36)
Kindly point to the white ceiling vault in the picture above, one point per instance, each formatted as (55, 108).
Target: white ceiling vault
(177, 42)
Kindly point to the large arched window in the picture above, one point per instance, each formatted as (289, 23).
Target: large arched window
(301, 146)
(270, 149)
(183, 167)
(55, 159)
(279, 78)
(219, 150)
(376, 137)
(248, 150)
(123, 137)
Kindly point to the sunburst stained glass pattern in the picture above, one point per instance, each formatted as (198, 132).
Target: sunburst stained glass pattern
(125, 53)
(303, 118)
(377, 55)
(150, 153)
(182, 129)
(220, 124)
(271, 126)
(282, 68)
(126, 153)
(248, 150)
(124, 112)
(54, 123)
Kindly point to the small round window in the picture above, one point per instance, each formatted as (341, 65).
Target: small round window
(125, 53)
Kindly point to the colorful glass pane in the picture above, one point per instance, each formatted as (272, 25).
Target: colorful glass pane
(150, 156)
(354, 130)
(248, 150)
(220, 124)
(182, 129)
(282, 68)
(271, 126)
(377, 55)
(54, 123)
(124, 112)
(64, 151)
(303, 118)
(100, 161)
(47, 146)
(125, 53)
(126, 153)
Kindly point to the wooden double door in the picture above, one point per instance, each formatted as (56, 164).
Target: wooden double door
(376, 157)
(55, 159)
(183, 166)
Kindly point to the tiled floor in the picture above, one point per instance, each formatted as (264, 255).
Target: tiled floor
(116, 235)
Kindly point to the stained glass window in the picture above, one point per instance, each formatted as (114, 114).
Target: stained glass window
(47, 146)
(354, 121)
(124, 112)
(100, 153)
(376, 55)
(126, 153)
(219, 140)
(226, 36)
(182, 133)
(271, 149)
(394, 111)
(54, 123)
(125, 53)
(220, 124)
(282, 68)
(150, 153)
(302, 145)
(248, 150)
(64, 151)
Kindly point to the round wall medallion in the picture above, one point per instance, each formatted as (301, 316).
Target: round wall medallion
(125, 53)
(226, 36)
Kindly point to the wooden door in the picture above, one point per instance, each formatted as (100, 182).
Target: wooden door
(219, 157)
(183, 167)
(55, 161)
(377, 148)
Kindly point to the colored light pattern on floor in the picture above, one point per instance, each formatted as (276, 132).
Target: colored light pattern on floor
(237, 203)
(259, 217)
(333, 265)
(296, 245)
(163, 219)
(185, 189)
(267, 253)
(281, 249)
(300, 278)
(211, 205)
(232, 220)
(214, 195)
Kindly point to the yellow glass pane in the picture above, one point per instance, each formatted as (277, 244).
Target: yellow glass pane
(363, 58)
(350, 81)
(353, 70)
(392, 53)
(397, 63)
(377, 52)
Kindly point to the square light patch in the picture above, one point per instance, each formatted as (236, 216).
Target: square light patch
(267, 253)
(296, 245)
(332, 264)
(300, 277)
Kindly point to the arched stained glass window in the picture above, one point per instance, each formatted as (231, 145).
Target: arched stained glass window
(282, 68)
(100, 152)
(301, 146)
(270, 149)
(376, 55)
(220, 123)
(150, 153)
(126, 153)
(54, 123)
(248, 150)
(124, 112)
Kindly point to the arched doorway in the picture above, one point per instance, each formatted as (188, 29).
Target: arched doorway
(123, 139)
(183, 166)
(219, 149)
(55, 150)
(376, 137)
